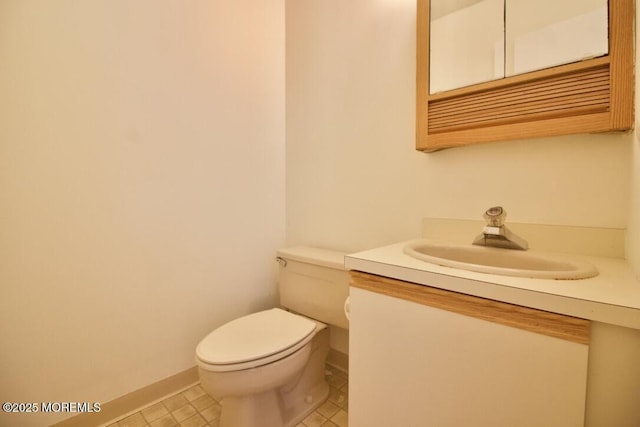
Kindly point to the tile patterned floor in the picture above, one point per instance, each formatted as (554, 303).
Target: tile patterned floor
(194, 408)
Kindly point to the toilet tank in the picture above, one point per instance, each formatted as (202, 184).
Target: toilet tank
(314, 283)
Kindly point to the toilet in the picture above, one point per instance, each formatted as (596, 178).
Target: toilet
(268, 368)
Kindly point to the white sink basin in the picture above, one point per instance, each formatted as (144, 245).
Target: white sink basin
(504, 262)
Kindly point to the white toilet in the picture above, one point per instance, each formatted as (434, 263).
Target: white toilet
(267, 369)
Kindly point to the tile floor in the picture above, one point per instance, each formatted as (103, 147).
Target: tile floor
(194, 408)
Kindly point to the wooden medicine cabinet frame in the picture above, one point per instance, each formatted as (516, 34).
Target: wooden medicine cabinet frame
(593, 95)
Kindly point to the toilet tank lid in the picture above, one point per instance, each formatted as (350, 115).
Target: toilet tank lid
(307, 254)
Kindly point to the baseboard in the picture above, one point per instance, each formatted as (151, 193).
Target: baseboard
(132, 402)
(338, 360)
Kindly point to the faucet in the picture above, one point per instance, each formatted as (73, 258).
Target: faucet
(496, 234)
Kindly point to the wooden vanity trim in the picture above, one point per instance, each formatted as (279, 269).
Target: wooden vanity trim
(555, 325)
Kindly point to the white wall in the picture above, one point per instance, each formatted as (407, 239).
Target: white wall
(142, 187)
(354, 180)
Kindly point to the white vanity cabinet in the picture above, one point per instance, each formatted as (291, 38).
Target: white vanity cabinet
(421, 356)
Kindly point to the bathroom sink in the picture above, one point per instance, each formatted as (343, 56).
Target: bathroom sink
(505, 262)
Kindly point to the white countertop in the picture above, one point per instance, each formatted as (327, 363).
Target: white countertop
(613, 296)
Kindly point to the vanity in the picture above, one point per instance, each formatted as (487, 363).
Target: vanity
(443, 346)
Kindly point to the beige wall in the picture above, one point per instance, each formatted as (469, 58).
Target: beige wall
(633, 235)
(142, 187)
(141, 154)
(354, 180)
(633, 232)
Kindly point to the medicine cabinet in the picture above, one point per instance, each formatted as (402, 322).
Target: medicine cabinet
(496, 70)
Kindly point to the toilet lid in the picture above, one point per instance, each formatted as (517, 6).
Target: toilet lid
(254, 337)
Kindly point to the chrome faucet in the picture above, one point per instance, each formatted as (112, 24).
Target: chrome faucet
(496, 234)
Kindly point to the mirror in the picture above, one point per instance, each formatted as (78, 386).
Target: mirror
(584, 96)
(467, 43)
(476, 41)
(537, 38)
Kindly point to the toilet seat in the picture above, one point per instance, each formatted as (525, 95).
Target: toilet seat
(254, 340)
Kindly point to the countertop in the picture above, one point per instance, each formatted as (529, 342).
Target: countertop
(613, 296)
